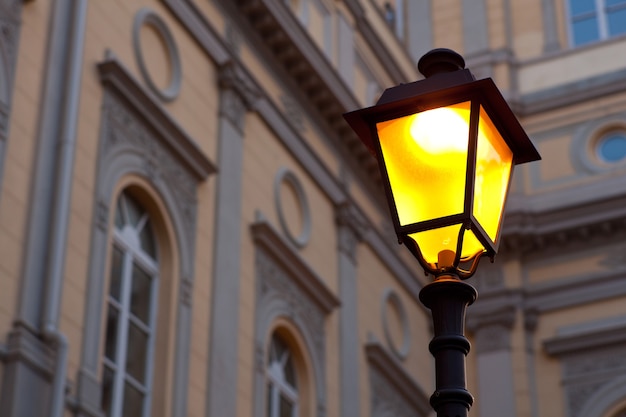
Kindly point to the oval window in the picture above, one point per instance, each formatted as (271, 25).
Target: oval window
(611, 147)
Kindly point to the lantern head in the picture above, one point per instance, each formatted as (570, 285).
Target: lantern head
(446, 147)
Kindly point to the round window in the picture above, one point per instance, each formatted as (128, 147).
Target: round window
(611, 148)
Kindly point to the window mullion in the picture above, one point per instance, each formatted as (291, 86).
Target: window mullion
(122, 339)
(603, 26)
(149, 355)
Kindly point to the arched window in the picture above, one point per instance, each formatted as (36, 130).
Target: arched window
(131, 308)
(282, 387)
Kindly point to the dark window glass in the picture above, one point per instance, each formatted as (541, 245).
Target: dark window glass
(110, 347)
(286, 407)
(612, 148)
(117, 258)
(107, 390)
(133, 401)
(140, 294)
(136, 353)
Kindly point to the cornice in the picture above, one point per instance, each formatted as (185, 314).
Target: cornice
(322, 87)
(374, 41)
(564, 344)
(540, 224)
(571, 292)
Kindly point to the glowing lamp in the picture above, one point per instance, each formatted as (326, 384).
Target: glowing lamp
(446, 147)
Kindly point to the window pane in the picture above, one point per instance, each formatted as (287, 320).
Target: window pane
(134, 211)
(116, 273)
(136, 353)
(140, 294)
(147, 240)
(119, 220)
(286, 407)
(107, 390)
(615, 2)
(111, 333)
(290, 373)
(133, 402)
(617, 22)
(582, 6)
(613, 147)
(585, 31)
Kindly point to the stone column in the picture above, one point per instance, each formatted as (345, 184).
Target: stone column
(237, 97)
(350, 229)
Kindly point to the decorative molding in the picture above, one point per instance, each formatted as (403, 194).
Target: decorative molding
(186, 291)
(381, 50)
(307, 67)
(148, 17)
(126, 133)
(24, 346)
(175, 139)
(293, 113)
(389, 300)
(352, 227)
(571, 292)
(584, 141)
(293, 266)
(586, 374)
(597, 337)
(393, 392)
(285, 176)
(102, 215)
(555, 221)
(239, 93)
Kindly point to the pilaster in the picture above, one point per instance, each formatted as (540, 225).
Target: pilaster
(492, 327)
(238, 95)
(350, 230)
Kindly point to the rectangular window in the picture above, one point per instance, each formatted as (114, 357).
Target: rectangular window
(595, 20)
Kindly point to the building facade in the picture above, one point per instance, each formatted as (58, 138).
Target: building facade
(188, 227)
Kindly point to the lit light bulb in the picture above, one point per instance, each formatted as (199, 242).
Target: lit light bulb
(441, 130)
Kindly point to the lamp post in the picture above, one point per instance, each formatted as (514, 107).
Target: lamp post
(446, 147)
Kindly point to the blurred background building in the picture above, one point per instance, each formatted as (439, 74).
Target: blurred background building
(189, 228)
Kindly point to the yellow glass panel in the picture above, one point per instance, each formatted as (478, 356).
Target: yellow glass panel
(494, 160)
(426, 158)
(431, 242)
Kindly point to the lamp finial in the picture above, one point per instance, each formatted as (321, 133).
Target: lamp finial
(440, 60)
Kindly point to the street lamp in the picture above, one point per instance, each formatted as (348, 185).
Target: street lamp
(446, 147)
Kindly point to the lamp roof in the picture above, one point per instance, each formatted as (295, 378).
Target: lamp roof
(443, 89)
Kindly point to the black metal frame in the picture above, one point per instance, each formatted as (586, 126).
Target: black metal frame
(441, 90)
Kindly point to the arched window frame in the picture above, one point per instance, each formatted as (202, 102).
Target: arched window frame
(129, 240)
